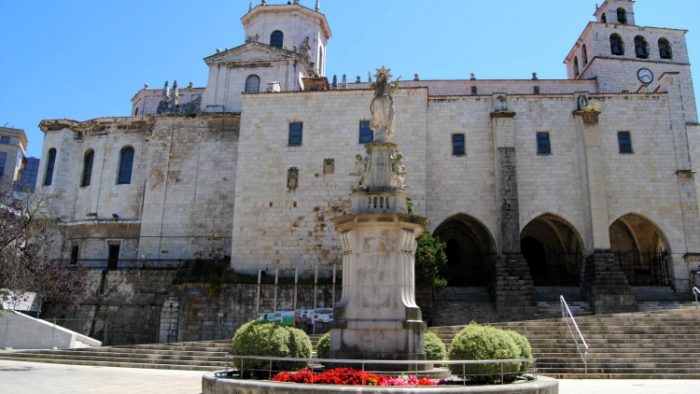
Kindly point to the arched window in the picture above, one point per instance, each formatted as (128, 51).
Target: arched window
(621, 16)
(576, 73)
(87, 168)
(584, 55)
(665, 49)
(252, 84)
(126, 163)
(617, 47)
(50, 161)
(277, 39)
(641, 49)
(604, 18)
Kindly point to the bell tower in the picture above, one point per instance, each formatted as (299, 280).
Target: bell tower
(623, 56)
(284, 43)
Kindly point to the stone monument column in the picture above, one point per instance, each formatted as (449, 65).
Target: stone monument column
(515, 290)
(377, 317)
(602, 280)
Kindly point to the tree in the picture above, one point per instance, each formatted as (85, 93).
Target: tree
(28, 245)
(430, 258)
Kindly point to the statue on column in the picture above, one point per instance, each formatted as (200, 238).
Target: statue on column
(382, 106)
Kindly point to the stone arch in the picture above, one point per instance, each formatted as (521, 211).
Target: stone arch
(621, 16)
(641, 47)
(665, 51)
(471, 251)
(553, 250)
(642, 250)
(617, 46)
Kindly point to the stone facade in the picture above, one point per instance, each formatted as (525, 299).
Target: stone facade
(590, 170)
(13, 145)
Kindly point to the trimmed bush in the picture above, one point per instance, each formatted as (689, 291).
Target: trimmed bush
(524, 346)
(434, 348)
(475, 342)
(263, 338)
(323, 347)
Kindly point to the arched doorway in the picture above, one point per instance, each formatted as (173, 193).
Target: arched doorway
(553, 251)
(642, 250)
(470, 251)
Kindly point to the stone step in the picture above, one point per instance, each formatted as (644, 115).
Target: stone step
(7, 356)
(631, 345)
(120, 359)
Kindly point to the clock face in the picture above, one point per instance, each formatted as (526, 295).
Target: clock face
(645, 76)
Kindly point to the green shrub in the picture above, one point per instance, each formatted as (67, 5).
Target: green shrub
(434, 348)
(263, 338)
(475, 342)
(524, 346)
(323, 347)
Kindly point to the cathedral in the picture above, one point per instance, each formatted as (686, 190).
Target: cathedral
(586, 182)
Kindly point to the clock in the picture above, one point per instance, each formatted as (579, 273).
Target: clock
(645, 76)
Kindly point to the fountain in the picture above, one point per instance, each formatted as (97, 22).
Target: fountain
(377, 317)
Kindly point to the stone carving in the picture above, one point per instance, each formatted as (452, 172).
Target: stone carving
(292, 179)
(328, 166)
(398, 170)
(581, 102)
(361, 169)
(305, 49)
(382, 106)
(501, 103)
(170, 101)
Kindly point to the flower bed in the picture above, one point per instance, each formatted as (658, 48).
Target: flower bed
(351, 377)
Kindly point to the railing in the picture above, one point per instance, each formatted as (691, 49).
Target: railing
(696, 293)
(581, 345)
(645, 268)
(265, 366)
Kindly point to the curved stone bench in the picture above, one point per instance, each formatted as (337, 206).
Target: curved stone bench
(215, 385)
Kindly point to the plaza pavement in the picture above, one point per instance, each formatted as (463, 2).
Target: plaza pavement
(17, 377)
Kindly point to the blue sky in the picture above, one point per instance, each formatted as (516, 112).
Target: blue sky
(82, 59)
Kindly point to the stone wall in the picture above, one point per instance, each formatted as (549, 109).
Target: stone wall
(275, 225)
(120, 307)
(190, 176)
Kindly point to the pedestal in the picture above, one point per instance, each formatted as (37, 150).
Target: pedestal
(377, 317)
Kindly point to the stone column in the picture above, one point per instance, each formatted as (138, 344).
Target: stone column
(602, 280)
(683, 118)
(514, 288)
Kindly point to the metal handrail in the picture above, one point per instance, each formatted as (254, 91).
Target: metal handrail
(311, 362)
(566, 315)
(696, 293)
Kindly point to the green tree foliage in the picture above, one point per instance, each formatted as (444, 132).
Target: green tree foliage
(263, 338)
(430, 258)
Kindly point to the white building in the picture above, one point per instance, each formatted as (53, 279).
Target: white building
(587, 181)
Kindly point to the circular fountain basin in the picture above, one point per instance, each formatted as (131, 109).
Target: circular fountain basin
(211, 384)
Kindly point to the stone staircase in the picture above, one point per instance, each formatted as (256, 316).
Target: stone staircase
(193, 356)
(661, 345)
(460, 305)
(549, 306)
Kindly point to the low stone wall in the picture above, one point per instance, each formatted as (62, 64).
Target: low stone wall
(213, 385)
(130, 307)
